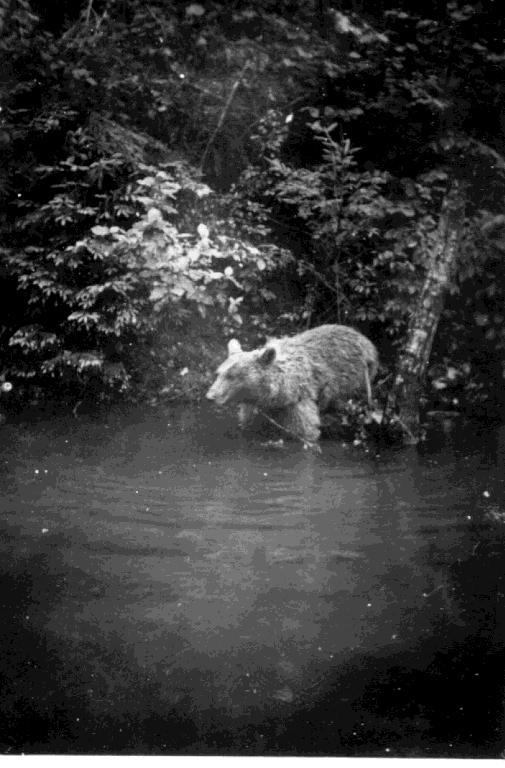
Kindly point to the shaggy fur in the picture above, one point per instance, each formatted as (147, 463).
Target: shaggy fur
(296, 379)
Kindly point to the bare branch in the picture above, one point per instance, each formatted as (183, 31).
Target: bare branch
(222, 117)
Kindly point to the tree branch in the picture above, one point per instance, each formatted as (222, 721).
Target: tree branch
(222, 117)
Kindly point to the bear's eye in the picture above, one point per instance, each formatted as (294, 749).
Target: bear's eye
(231, 374)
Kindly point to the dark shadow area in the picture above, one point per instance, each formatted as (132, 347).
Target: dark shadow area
(442, 697)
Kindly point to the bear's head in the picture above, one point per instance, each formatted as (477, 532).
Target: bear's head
(244, 376)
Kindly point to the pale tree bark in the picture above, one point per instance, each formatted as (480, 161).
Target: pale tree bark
(404, 397)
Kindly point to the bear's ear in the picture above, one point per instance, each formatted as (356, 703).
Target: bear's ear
(234, 347)
(268, 356)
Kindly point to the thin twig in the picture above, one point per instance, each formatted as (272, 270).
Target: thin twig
(88, 12)
(287, 106)
(223, 114)
(407, 431)
(341, 297)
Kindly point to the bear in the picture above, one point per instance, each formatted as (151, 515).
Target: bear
(293, 380)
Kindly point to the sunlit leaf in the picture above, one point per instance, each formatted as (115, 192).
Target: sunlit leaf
(195, 9)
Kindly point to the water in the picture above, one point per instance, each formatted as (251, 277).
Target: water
(168, 587)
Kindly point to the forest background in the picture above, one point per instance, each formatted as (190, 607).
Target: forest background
(175, 174)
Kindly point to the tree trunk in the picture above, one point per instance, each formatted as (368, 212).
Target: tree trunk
(403, 400)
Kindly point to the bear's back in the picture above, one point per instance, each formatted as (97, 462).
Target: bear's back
(336, 359)
(328, 341)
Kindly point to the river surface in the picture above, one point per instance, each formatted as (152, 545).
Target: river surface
(169, 587)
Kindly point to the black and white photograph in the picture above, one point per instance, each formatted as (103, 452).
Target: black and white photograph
(252, 379)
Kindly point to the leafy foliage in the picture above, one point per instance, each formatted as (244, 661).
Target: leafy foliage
(365, 231)
(330, 133)
(97, 300)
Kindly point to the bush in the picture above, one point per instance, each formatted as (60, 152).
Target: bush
(95, 303)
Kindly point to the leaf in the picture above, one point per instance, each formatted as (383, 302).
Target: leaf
(195, 9)
(145, 200)
(87, 360)
(203, 231)
(100, 231)
(377, 416)
(158, 293)
(148, 181)
(154, 214)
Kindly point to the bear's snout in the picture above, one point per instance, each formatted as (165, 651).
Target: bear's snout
(215, 394)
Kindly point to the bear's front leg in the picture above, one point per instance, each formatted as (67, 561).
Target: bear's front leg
(302, 420)
(246, 414)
